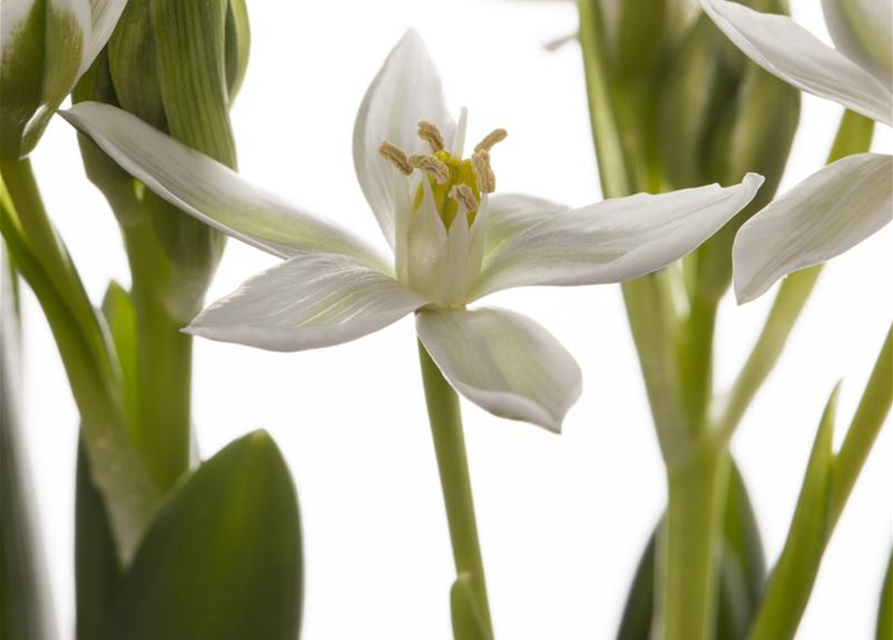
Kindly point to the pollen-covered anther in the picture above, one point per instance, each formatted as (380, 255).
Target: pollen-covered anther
(486, 179)
(491, 140)
(432, 166)
(429, 132)
(463, 194)
(395, 155)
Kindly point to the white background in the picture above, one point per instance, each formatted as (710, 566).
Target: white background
(563, 519)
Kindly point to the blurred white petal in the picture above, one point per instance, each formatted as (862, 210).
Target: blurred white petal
(787, 50)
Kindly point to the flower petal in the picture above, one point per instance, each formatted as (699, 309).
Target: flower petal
(104, 17)
(313, 300)
(826, 214)
(405, 91)
(504, 362)
(537, 243)
(787, 50)
(863, 31)
(208, 190)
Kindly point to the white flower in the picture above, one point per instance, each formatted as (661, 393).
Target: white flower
(453, 243)
(45, 47)
(849, 200)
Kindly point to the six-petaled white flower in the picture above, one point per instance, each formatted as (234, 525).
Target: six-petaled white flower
(453, 242)
(849, 200)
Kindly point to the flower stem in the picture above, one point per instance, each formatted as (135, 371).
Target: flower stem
(93, 371)
(690, 546)
(449, 446)
(165, 355)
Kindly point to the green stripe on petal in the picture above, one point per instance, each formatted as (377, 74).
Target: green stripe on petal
(504, 362)
(609, 241)
(210, 191)
(311, 301)
(826, 214)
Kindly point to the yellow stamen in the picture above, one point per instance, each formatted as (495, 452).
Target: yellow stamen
(490, 140)
(463, 194)
(393, 154)
(486, 179)
(432, 166)
(429, 132)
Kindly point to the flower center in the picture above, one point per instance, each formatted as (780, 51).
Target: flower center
(456, 183)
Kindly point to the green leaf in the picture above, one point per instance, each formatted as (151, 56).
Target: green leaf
(793, 575)
(97, 573)
(742, 573)
(223, 560)
(468, 623)
(238, 46)
(120, 314)
(885, 610)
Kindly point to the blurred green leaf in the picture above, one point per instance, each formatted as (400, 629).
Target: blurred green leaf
(223, 559)
(789, 587)
(24, 613)
(742, 573)
(468, 623)
(885, 610)
(97, 573)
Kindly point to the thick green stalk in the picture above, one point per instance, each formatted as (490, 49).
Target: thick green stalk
(688, 587)
(165, 359)
(449, 446)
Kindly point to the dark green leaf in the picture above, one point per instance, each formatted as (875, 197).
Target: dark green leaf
(742, 572)
(97, 573)
(222, 561)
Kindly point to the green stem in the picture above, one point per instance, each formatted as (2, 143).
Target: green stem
(86, 354)
(165, 357)
(789, 302)
(690, 546)
(867, 422)
(449, 446)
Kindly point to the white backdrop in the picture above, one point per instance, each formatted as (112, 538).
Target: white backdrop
(562, 519)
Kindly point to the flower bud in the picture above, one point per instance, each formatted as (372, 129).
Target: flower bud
(44, 43)
(722, 116)
(176, 65)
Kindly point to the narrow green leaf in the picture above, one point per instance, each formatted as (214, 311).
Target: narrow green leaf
(238, 46)
(120, 314)
(24, 614)
(468, 623)
(97, 573)
(793, 575)
(223, 560)
(885, 609)
(742, 573)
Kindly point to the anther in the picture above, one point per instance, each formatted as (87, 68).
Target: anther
(393, 154)
(429, 132)
(463, 194)
(491, 139)
(486, 179)
(432, 166)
